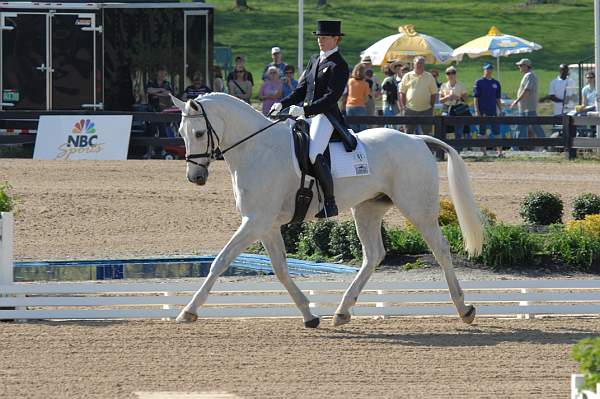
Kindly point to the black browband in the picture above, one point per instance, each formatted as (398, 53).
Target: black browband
(215, 151)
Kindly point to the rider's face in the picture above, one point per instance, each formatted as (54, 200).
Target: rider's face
(327, 43)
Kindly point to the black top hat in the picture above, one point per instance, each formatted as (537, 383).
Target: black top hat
(329, 28)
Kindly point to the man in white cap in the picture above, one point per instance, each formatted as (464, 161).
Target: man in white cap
(375, 88)
(276, 56)
(527, 98)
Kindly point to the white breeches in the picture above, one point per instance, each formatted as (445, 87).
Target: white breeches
(320, 133)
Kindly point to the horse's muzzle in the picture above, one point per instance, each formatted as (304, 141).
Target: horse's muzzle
(198, 176)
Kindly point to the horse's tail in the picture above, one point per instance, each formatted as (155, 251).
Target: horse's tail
(467, 210)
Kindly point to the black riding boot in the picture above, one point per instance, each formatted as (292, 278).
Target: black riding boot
(323, 174)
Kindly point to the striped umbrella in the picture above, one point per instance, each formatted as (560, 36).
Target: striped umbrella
(407, 44)
(495, 44)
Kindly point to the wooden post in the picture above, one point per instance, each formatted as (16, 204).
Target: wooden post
(569, 131)
(439, 132)
(6, 248)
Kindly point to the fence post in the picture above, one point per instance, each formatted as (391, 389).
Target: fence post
(6, 248)
(569, 131)
(439, 132)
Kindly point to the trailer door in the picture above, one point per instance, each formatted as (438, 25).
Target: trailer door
(24, 63)
(196, 36)
(74, 75)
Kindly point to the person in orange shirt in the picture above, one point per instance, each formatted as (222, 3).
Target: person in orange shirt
(358, 95)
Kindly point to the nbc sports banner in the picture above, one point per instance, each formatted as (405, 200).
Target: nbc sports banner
(95, 137)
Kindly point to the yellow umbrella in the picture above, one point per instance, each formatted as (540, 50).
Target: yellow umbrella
(407, 44)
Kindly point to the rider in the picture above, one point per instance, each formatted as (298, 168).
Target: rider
(319, 89)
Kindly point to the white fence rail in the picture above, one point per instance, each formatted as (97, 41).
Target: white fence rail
(109, 299)
(525, 298)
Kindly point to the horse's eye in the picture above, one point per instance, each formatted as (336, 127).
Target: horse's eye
(199, 133)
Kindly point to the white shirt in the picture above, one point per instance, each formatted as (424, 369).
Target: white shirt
(562, 89)
(325, 54)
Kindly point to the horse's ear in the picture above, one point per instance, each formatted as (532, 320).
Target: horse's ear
(192, 104)
(177, 102)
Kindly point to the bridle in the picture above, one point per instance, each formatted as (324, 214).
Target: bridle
(212, 145)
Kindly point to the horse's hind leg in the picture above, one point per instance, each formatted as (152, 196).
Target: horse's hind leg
(274, 244)
(246, 234)
(368, 216)
(426, 222)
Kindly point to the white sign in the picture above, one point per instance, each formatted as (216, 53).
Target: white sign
(95, 137)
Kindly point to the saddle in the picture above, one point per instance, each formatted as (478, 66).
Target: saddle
(301, 135)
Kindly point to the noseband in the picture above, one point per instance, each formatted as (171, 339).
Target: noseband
(212, 145)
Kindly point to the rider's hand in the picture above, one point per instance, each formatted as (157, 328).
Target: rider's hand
(296, 111)
(276, 108)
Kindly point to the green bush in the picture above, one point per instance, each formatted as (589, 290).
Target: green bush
(586, 204)
(345, 242)
(587, 353)
(507, 246)
(291, 236)
(575, 247)
(406, 242)
(7, 202)
(454, 237)
(314, 239)
(542, 208)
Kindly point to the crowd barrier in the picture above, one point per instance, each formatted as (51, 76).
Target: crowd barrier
(568, 140)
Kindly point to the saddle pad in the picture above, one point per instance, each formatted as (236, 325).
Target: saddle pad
(348, 164)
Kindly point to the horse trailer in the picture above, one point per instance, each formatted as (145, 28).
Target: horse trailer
(99, 55)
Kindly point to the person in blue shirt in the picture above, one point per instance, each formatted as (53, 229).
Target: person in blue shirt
(486, 101)
(289, 83)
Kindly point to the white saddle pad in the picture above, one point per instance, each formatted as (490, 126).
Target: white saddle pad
(348, 164)
(343, 164)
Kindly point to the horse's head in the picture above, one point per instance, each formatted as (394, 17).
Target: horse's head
(199, 136)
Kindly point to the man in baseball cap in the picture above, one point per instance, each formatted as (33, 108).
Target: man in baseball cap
(277, 63)
(527, 98)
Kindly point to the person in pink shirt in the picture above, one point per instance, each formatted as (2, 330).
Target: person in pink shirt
(271, 89)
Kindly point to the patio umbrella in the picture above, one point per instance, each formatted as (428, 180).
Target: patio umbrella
(407, 44)
(496, 44)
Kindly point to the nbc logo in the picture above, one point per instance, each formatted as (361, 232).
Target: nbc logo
(83, 134)
(84, 126)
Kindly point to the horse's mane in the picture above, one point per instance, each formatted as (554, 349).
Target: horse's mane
(224, 97)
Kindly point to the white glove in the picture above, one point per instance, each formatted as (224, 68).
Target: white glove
(276, 108)
(296, 111)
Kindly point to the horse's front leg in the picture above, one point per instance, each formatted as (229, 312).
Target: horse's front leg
(248, 232)
(274, 244)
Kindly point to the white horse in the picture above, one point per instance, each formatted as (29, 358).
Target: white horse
(403, 173)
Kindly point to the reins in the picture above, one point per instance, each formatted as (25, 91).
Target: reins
(215, 151)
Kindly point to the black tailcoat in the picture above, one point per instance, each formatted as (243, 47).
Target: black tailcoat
(319, 89)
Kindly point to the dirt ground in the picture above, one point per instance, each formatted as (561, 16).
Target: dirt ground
(396, 358)
(143, 208)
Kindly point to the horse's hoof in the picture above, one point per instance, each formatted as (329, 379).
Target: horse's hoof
(186, 317)
(314, 323)
(470, 315)
(340, 318)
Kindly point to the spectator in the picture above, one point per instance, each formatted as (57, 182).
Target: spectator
(197, 88)
(560, 92)
(588, 94)
(453, 96)
(436, 75)
(486, 101)
(417, 92)
(241, 86)
(390, 91)
(527, 97)
(240, 62)
(271, 89)
(289, 83)
(218, 83)
(277, 63)
(358, 95)
(375, 86)
(158, 91)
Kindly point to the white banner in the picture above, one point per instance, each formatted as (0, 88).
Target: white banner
(95, 137)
